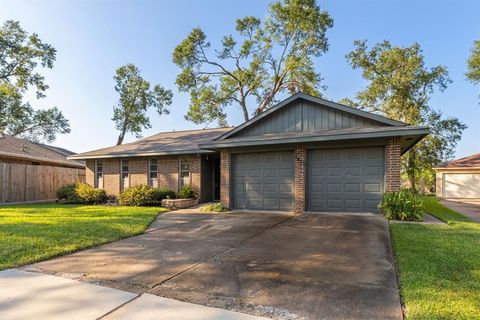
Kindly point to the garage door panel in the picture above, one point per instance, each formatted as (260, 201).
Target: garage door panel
(268, 182)
(461, 185)
(353, 180)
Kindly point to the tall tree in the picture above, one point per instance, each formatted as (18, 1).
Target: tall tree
(400, 87)
(473, 64)
(136, 97)
(20, 56)
(264, 59)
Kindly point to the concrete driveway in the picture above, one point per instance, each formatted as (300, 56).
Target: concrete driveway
(269, 264)
(467, 207)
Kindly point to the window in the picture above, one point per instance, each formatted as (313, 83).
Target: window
(184, 173)
(99, 174)
(152, 173)
(124, 173)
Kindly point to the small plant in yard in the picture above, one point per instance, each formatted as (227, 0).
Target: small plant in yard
(144, 195)
(81, 193)
(186, 192)
(213, 207)
(403, 205)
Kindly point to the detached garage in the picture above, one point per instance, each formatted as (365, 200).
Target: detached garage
(459, 179)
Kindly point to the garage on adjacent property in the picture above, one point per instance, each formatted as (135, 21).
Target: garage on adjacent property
(349, 179)
(263, 181)
(459, 179)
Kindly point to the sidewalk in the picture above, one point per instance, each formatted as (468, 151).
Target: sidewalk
(29, 295)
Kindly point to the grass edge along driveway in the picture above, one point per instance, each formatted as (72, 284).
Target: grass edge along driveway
(439, 265)
(34, 232)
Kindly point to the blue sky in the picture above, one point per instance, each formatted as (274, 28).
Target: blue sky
(95, 37)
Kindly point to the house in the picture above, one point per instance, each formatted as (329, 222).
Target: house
(20, 151)
(459, 178)
(305, 153)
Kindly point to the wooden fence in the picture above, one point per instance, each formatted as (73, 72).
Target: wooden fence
(22, 183)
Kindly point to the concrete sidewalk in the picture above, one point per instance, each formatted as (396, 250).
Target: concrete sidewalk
(30, 295)
(467, 207)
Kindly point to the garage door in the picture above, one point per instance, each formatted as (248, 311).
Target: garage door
(263, 181)
(345, 179)
(461, 185)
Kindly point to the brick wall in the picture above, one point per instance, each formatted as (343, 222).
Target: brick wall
(299, 183)
(168, 172)
(194, 163)
(138, 169)
(393, 165)
(90, 172)
(225, 162)
(111, 176)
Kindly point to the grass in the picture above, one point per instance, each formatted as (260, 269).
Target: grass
(30, 233)
(439, 265)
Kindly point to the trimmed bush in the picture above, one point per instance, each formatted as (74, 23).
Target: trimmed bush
(403, 205)
(144, 195)
(186, 192)
(213, 207)
(81, 193)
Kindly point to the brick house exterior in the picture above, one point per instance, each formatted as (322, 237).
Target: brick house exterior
(304, 154)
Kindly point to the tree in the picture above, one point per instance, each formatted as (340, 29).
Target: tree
(20, 55)
(400, 87)
(473, 64)
(263, 60)
(136, 98)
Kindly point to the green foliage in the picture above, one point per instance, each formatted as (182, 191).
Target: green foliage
(433, 207)
(144, 195)
(186, 192)
(81, 193)
(136, 97)
(261, 61)
(399, 87)
(21, 54)
(213, 207)
(473, 63)
(403, 205)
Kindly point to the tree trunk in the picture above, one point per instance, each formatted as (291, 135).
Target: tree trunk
(411, 169)
(244, 109)
(121, 136)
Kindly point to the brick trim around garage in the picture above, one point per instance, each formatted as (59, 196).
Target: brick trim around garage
(225, 163)
(392, 171)
(299, 176)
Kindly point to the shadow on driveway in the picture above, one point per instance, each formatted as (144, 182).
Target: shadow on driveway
(270, 264)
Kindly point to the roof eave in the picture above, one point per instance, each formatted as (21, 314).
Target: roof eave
(146, 154)
(40, 159)
(421, 132)
(455, 168)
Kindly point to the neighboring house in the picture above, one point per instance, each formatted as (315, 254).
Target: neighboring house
(459, 178)
(304, 153)
(33, 171)
(20, 151)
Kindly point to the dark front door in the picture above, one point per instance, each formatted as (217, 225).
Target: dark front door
(216, 178)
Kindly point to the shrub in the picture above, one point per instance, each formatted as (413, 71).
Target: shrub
(403, 205)
(143, 195)
(213, 207)
(186, 192)
(81, 193)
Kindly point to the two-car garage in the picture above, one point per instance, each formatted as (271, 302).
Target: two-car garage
(349, 179)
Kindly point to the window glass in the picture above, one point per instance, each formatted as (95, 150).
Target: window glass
(125, 178)
(152, 175)
(184, 173)
(99, 174)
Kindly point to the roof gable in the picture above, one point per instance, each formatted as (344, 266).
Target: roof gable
(302, 112)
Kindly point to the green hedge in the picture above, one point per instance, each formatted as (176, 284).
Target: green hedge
(144, 195)
(81, 193)
(403, 205)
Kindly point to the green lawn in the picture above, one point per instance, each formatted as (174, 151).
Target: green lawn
(439, 266)
(30, 233)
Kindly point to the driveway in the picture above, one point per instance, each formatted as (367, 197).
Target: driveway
(268, 264)
(467, 207)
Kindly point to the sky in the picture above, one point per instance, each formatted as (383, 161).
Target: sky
(95, 37)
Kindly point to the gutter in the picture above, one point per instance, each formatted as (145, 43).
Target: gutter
(149, 154)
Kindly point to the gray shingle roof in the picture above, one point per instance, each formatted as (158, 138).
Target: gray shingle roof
(174, 142)
(12, 147)
(472, 161)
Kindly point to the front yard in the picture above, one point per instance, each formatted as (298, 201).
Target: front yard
(439, 265)
(30, 233)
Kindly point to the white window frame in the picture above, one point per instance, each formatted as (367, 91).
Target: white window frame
(153, 182)
(98, 181)
(124, 182)
(181, 181)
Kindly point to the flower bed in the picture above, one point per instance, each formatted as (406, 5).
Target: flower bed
(179, 203)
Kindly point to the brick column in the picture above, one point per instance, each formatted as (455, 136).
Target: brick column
(299, 183)
(90, 172)
(393, 165)
(225, 162)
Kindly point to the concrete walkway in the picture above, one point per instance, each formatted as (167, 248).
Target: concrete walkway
(467, 207)
(29, 295)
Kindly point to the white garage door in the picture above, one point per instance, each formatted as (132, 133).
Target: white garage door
(461, 185)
